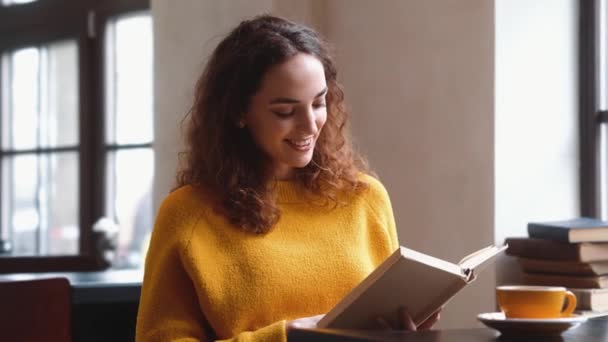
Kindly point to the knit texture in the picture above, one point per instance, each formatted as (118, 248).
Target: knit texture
(205, 279)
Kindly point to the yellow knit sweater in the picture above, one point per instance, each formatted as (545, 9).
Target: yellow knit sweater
(205, 279)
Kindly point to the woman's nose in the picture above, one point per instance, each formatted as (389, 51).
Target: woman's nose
(307, 123)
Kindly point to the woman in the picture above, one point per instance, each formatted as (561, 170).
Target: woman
(274, 219)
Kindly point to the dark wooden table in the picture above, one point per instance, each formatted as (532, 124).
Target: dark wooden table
(104, 303)
(594, 330)
(112, 286)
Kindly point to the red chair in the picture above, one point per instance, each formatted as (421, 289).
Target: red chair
(36, 310)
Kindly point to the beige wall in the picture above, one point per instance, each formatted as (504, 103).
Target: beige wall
(185, 33)
(419, 78)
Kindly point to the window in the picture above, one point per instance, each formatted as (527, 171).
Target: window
(602, 116)
(593, 107)
(40, 149)
(76, 131)
(129, 155)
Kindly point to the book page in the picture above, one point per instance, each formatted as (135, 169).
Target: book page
(416, 281)
(478, 260)
(432, 261)
(418, 287)
(411, 279)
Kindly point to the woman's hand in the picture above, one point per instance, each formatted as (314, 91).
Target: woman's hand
(406, 323)
(304, 323)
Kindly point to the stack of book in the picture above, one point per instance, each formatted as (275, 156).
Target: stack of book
(571, 253)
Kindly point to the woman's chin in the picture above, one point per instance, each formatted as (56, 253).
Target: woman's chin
(303, 163)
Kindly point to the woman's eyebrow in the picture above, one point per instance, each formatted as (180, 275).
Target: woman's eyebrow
(291, 101)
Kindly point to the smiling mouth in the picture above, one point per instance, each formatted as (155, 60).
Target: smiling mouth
(301, 144)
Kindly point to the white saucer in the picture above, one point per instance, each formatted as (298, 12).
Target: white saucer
(529, 326)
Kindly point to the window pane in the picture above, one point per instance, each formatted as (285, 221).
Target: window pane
(602, 51)
(60, 204)
(40, 86)
(129, 80)
(129, 194)
(602, 66)
(40, 203)
(24, 218)
(22, 118)
(60, 105)
(5, 205)
(603, 171)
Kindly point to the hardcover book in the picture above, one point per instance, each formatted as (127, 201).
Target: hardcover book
(420, 283)
(588, 282)
(591, 299)
(581, 229)
(555, 250)
(573, 268)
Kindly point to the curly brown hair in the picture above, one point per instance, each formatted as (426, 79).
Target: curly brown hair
(223, 159)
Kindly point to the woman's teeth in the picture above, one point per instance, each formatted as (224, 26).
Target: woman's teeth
(303, 144)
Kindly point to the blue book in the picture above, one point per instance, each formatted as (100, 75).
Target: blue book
(580, 229)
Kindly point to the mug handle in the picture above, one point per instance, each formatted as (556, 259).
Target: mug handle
(571, 299)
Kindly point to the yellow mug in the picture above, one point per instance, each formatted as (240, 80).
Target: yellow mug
(522, 301)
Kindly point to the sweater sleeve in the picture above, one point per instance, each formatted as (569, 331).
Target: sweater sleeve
(390, 221)
(275, 332)
(380, 203)
(169, 305)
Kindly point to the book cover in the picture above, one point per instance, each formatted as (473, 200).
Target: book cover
(581, 229)
(588, 282)
(573, 268)
(555, 250)
(417, 281)
(591, 299)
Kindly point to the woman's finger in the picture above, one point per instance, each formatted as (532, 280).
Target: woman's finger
(406, 320)
(426, 325)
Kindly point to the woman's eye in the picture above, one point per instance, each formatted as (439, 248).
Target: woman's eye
(282, 114)
(319, 105)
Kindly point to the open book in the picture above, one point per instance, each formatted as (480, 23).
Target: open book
(419, 282)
